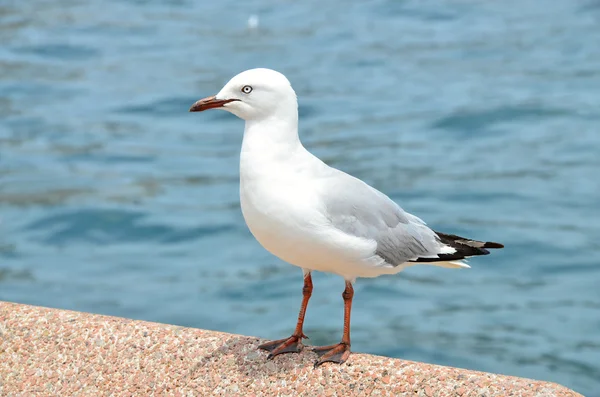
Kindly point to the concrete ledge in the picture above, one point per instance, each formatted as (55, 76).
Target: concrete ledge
(58, 352)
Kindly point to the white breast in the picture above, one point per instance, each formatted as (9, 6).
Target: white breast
(280, 213)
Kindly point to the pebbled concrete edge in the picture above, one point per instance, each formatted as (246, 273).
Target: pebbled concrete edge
(58, 352)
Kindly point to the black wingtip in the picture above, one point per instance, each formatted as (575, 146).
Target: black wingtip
(464, 248)
(491, 244)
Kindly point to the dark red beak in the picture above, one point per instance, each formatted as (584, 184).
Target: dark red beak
(210, 102)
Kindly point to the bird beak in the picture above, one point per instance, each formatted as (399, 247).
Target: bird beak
(210, 102)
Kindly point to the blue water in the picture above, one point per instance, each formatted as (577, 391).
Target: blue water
(481, 117)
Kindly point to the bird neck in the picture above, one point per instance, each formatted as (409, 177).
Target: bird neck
(272, 138)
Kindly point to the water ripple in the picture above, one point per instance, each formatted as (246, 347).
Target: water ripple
(102, 227)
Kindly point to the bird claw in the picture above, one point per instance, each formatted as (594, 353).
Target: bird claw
(293, 344)
(334, 354)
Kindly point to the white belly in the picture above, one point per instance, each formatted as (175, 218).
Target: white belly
(278, 227)
(289, 224)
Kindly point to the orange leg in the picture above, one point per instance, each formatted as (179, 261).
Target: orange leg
(293, 344)
(339, 353)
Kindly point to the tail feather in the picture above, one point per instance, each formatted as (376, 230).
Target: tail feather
(454, 264)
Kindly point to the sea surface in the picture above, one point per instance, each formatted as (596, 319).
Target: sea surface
(481, 117)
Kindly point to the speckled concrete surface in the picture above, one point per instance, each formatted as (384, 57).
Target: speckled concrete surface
(46, 352)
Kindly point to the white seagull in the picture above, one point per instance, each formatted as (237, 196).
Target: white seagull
(317, 217)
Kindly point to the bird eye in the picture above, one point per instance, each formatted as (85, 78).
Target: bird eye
(246, 89)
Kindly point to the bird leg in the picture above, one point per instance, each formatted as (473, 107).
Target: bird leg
(339, 353)
(293, 344)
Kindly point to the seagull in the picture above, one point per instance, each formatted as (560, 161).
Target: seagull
(317, 217)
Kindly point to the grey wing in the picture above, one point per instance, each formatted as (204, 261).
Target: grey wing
(360, 210)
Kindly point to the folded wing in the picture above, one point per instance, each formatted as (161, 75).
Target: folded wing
(362, 211)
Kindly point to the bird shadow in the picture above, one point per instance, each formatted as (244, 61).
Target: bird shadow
(241, 355)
